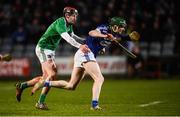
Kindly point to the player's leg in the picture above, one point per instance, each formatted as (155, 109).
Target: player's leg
(78, 71)
(21, 86)
(30, 83)
(50, 69)
(39, 84)
(46, 58)
(94, 71)
(76, 76)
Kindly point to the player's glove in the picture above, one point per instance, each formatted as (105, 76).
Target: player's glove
(7, 57)
(134, 36)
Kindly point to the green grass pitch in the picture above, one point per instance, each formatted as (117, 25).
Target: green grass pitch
(118, 98)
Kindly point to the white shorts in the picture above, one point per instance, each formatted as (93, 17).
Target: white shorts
(44, 54)
(80, 58)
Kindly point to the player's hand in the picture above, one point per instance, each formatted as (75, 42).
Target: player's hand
(134, 36)
(7, 57)
(84, 48)
(110, 37)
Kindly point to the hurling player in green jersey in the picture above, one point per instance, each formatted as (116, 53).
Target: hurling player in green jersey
(98, 39)
(62, 28)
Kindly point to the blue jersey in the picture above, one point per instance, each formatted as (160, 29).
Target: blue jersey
(96, 44)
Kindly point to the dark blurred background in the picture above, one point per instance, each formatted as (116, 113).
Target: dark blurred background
(22, 22)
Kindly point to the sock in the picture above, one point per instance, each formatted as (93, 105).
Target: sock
(47, 84)
(94, 103)
(42, 98)
(23, 85)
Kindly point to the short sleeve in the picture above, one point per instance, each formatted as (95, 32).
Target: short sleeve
(60, 26)
(103, 29)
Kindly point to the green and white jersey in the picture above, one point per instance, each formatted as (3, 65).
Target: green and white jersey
(51, 38)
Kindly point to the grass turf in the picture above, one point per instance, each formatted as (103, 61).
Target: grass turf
(118, 97)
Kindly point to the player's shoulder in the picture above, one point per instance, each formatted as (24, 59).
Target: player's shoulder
(103, 26)
(60, 20)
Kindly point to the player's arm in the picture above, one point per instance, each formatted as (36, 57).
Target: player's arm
(60, 27)
(97, 33)
(70, 40)
(74, 43)
(77, 37)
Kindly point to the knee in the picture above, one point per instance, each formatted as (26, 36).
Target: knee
(100, 80)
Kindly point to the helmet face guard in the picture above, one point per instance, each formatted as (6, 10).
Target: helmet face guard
(117, 24)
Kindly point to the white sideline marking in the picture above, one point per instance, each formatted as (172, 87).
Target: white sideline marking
(149, 104)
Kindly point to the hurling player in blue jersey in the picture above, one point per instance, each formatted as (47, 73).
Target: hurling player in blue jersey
(97, 40)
